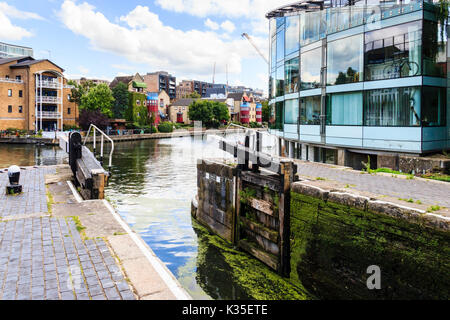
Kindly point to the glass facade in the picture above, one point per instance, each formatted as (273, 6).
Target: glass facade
(345, 109)
(291, 111)
(292, 76)
(311, 64)
(394, 52)
(345, 60)
(388, 73)
(393, 107)
(310, 110)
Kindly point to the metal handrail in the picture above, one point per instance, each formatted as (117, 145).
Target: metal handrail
(103, 135)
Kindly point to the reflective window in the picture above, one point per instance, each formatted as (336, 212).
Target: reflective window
(292, 34)
(272, 86)
(313, 27)
(279, 115)
(280, 45)
(279, 82)
(280, 22)
(393, 52)
(311, 63)
(273, 27)
(434, 105)
(345, 60)
(291, 111)
(273, 55)
(397, 107)
(310, 110)
(434, 49)
(345, 109)
(292, 76)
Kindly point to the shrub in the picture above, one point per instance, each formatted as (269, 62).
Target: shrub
(69, 127)
(165, 127)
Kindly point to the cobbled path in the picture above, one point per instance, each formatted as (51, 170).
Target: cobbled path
(45, 258)
(427, 191)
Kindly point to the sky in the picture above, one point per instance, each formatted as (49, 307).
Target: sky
(106, 38)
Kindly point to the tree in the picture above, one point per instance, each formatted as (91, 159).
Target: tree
(220, 111)
(95, 117)
(194, 95)
(98, 98)
(266, 111)
(121, 100)
(200, 110)
(80, 90)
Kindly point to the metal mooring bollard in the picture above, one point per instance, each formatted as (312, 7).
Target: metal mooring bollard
(14, 177)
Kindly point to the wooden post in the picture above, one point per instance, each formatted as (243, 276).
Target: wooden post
(284, 207)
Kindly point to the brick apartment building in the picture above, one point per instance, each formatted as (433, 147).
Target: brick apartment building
(161, 80)
(34, 95)
(187, 87)
(246, 108)
(135, 83)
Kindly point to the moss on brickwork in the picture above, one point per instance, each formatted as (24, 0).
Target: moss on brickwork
(332, 246)
(237, 274)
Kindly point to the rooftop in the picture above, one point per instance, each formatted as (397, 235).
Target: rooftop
(303, 5)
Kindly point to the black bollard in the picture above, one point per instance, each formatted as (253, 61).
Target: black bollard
(14, 177)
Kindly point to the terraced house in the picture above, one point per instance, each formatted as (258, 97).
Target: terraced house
(34, 95)
(355, 78)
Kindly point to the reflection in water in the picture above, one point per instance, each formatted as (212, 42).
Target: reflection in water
(152, 185)
(30, 155)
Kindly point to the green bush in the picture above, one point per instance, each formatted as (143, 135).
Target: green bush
(255, 125)
(165, 127)
(68, 127)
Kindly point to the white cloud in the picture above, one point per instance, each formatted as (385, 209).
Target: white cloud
(8, 31)
(123, 67)
(83, 70)
(252, 10)
(211, 24)
(228, 26)
(144, 39)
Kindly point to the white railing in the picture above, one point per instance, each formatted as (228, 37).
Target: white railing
(49, 115)
(10, 80)
(69, 87)
(49, 84)
(103, 135)
(44, 99)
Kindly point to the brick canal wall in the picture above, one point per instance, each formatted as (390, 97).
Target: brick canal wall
(336, 236)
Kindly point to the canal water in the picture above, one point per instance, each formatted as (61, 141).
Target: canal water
(152, 185)
(30, 155)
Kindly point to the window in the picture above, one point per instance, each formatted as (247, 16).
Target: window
(292, 76)
(434, 105)
(394, 107)
(69, 111)
(313, 27)
(279, 115)
(310, 110)
(272, 86)
(311, 64)
(291, 111)
(280, 45)
(20, 93)
(7, 77)
(68, 97)
(20, 109)
(393, 52)
(292, 34)
(434, 49)
(345, 60)
(9, 93)
(280, 82)
(18, 78)
(345, 109)
(9, 109)
(138, 102)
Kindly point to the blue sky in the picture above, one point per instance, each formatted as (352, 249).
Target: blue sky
(104, 38)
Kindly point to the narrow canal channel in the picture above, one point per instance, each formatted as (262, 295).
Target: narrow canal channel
(152, 185)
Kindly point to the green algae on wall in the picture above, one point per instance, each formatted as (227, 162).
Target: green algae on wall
(332, 245)
(239, 275)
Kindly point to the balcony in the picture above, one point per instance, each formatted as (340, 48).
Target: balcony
(48, 115)
(44, 99)
(10, 80)
(49, 84)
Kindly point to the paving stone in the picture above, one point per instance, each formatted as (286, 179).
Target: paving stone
(127, 295)
(112, 294)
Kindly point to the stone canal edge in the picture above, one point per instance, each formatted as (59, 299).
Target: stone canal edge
(43, 246)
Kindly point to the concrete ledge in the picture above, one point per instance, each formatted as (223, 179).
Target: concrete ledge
(412, 215)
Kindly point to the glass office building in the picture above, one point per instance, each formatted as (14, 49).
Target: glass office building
(14, 51)
(363, 76)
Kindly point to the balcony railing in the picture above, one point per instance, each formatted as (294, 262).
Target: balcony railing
(49, 84)
(10, 80)
(49, 115)
(44, 99)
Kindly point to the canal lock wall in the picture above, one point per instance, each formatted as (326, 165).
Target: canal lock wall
(333, 237)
